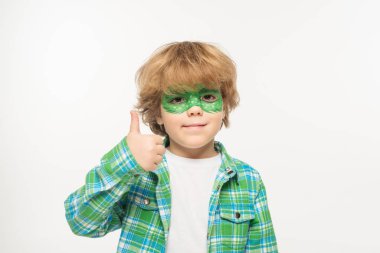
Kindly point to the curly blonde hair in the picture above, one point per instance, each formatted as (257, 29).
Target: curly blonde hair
(180, 66)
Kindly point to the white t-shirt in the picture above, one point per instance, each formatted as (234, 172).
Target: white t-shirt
(191, 182)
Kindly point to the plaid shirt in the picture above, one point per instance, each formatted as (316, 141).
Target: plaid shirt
(119, 193)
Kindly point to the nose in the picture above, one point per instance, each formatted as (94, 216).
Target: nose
(195, 110)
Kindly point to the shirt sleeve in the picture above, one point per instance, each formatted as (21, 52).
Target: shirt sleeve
(97, 207)
(262, 238)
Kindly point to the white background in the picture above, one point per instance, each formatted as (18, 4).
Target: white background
(308, 121)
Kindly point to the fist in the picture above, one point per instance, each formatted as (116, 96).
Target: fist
(147, 149)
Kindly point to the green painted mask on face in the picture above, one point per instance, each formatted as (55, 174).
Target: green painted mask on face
(209, 100)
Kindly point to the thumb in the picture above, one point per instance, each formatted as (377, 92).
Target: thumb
(135, 125)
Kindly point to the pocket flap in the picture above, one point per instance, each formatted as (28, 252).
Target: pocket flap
(236, 213)
(145, 202)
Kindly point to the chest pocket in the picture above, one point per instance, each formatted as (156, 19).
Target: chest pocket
(143, 219)
(236, 214)
(143, 193)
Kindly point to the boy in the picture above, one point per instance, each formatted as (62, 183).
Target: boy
(183, 193)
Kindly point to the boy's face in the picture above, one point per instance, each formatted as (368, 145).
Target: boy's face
(202, 107)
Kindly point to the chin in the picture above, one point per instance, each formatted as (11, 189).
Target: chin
(194, 141)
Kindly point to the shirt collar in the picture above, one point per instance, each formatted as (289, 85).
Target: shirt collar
(227, 169)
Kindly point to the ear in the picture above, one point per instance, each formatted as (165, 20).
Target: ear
(159, 117)
(159, 120)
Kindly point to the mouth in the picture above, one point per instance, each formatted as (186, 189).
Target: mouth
(194, 125)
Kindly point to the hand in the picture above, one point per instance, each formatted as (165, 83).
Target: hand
(147, 149)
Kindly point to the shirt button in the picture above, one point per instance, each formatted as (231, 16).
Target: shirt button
(237, 215)
(146, 201)
(229, 171)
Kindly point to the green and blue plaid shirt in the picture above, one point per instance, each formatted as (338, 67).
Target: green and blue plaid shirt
(119, 193)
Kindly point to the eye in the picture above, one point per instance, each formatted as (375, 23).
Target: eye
(176, 100)
(210, 98)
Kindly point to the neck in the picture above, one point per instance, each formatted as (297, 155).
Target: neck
(205, 151)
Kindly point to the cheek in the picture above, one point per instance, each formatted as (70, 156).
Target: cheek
(216, 120)
(172, 120)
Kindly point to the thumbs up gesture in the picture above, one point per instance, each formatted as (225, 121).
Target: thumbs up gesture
(147, 149)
